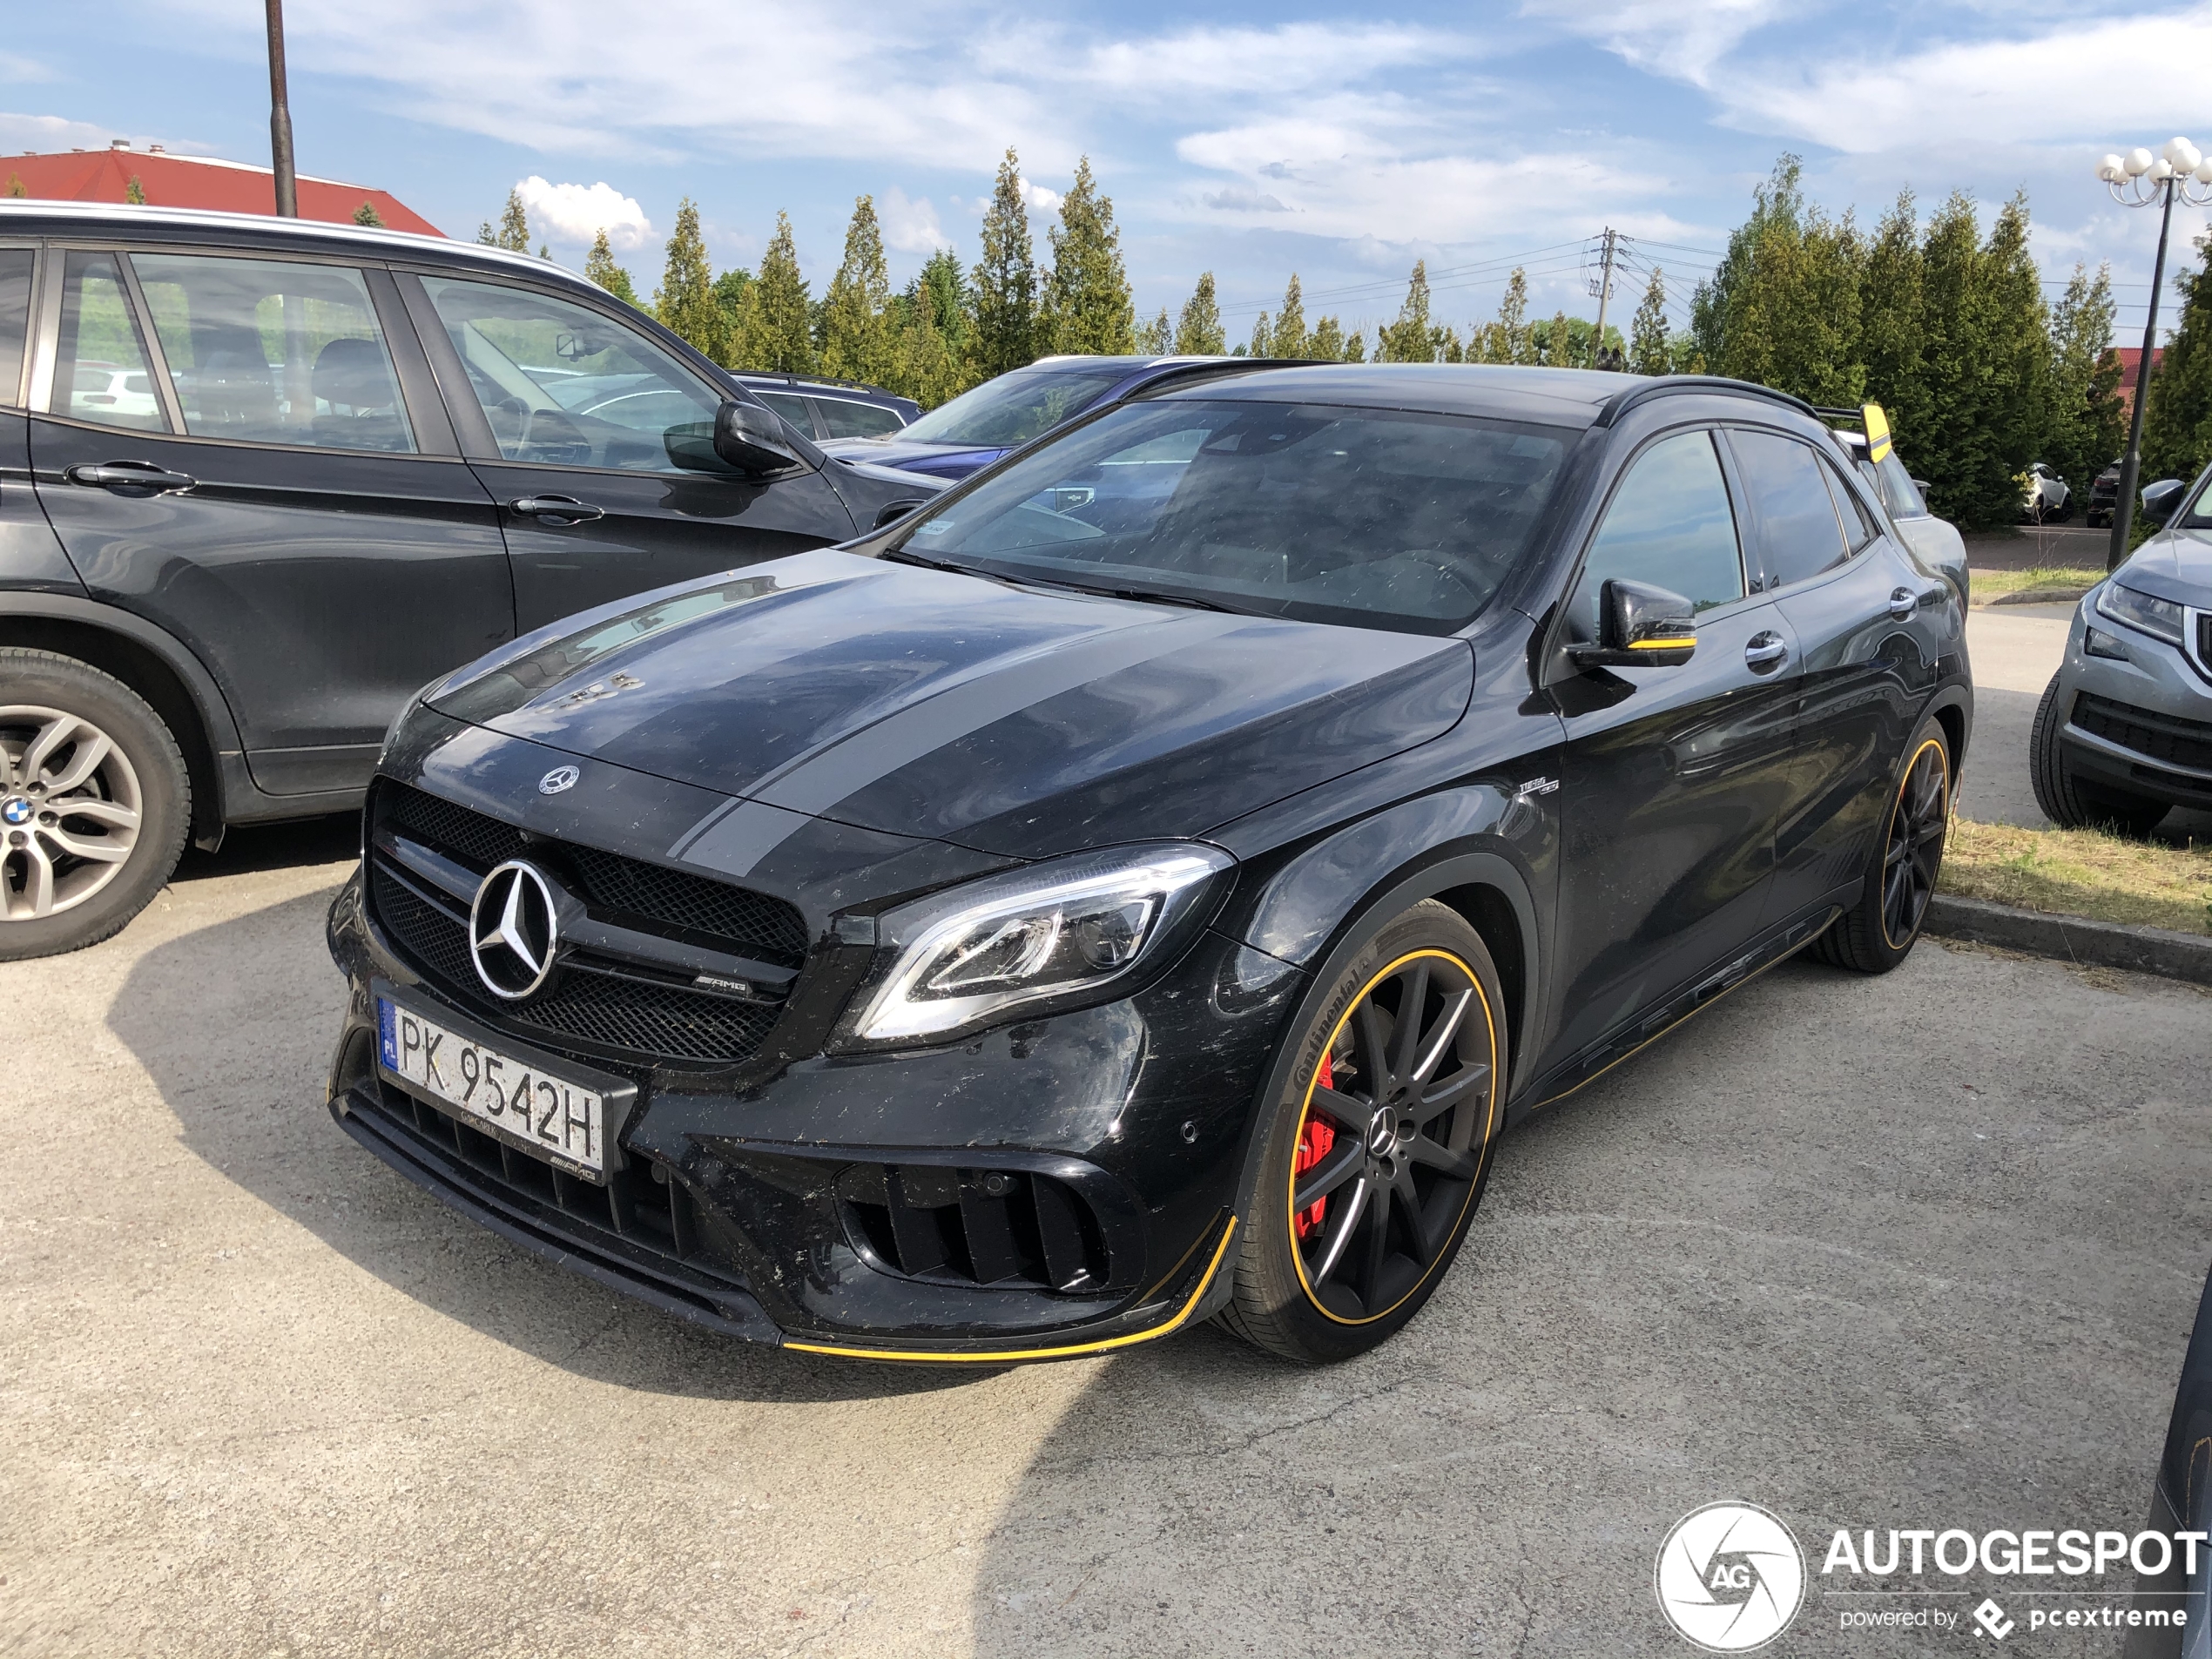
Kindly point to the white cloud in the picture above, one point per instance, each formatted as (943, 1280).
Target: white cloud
(1682, 38)
(579, 213)
(48, 133)
(909, 227)
(1040, 200)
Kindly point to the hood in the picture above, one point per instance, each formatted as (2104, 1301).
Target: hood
(2175, 564)
(942, 460)
(925, 703)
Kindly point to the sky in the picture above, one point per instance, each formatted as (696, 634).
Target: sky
(1339, 142)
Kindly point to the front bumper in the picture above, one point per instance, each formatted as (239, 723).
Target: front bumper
(1057, 1187)
(2142, 725)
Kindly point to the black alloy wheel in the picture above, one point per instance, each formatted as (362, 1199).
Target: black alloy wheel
(1381, 1145)
(1880, 930)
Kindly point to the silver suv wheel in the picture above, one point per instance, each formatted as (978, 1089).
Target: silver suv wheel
(69, 810)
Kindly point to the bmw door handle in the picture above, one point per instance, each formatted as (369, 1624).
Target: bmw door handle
(560, 508)
(1765, 651)
(130, 474)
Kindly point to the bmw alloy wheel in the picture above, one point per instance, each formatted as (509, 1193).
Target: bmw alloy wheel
(69, 810)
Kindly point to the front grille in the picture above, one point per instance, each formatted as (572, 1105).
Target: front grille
(1009, 1228)
(2169, 738)
(751, 924)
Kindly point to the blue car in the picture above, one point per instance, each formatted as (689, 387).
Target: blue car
(976, 428)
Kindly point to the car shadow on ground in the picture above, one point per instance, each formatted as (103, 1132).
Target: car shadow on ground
(233, 1023)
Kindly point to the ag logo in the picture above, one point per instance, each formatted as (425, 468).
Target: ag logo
(1730, 1577)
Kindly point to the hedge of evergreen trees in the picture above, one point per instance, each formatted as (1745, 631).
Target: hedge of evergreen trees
(1944, 326)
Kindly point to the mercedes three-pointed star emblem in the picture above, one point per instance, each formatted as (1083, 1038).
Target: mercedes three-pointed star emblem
(513, 930)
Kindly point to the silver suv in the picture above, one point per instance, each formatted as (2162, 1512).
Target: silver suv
(2124, 732)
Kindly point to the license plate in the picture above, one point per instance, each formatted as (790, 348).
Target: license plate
(561, 1121)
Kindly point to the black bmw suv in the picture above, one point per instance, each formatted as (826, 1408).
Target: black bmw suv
(260, 480)
(1145, 885)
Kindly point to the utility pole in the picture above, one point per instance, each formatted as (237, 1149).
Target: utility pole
(2131, 460)
(288, 188)
(1604, 288)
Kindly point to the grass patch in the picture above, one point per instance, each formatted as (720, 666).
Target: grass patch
(2058, 579)
(2082, 873)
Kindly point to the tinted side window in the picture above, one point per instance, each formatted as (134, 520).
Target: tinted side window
(1897, 492)
(1859, 527)
(100, 371)
(15, 318)
(1668, 524)
(1800, 535)
(847, 418)
(274, 353)
(792, 407)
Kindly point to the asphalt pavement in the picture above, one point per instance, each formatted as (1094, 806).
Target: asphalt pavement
(1917, 1250)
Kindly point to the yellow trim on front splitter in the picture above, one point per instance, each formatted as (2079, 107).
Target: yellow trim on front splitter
(1490, 1134)
(999, 1356)
(1943, 758)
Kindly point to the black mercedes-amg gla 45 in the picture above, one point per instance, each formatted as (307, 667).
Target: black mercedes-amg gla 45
(1144, 886)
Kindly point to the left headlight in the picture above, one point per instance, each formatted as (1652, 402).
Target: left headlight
(2160, 618)
(1056, 934)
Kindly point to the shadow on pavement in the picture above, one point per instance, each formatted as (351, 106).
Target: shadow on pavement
(233, 1023)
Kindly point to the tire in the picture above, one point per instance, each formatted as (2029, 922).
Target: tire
(1387, 1209)
(1880, 929)
(2066, 801)
(75, 738)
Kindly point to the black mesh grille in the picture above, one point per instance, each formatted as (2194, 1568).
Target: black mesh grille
(2157, 736)
(752, 924)
(661, 1020)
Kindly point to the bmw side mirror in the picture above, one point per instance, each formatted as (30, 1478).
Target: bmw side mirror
(748, 439)
(2161, 499)
(1640, 626)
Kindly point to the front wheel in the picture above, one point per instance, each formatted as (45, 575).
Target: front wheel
(1880, 929)
(2067, 801)
(1378, 1150)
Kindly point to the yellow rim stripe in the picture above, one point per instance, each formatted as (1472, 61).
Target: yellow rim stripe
(1489, 1128)
(1943, 760)
(999, 1356)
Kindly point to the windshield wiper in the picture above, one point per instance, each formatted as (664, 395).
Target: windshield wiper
(1146, 595)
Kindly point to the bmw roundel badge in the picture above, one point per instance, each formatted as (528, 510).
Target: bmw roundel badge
(557, 779)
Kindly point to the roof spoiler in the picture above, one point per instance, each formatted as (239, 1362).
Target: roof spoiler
(1666, 385)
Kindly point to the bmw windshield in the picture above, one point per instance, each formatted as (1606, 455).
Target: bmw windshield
(1373, 517)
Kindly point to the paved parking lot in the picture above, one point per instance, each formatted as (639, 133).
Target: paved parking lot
(1919, 1250)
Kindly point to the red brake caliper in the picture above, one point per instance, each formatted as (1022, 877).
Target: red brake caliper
(1314, 1139)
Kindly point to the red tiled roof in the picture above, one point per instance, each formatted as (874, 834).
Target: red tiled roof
(2130, 358)
(197, 182)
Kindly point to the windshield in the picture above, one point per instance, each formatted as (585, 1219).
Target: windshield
(1376, 518)
(1016, 408)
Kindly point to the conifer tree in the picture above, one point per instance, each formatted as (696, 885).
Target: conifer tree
(1648, 352)
(2085, 424)
(2177, 422)
(1327, 342)
(1262, 341)
(1410, 338)
(857, 338)
(1087, 300)
(16, 190)
(1197, 332)
(730, 291)
(135, 192)
(1891, 327)
(1289, 337)
(925, 364)
(777, 336)
(513, 232)
(2015, 358)
(942, 287)
(1355, 349)
(1783, 307)
(1156, 338)
(599, 267)
(685, 302)
(1514, 338)
(367, 216)
(1005, 278)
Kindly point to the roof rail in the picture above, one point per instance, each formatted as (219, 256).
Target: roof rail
(808, 379)
(1622, 402)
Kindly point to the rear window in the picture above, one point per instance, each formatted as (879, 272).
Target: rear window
(1376, 518)
(1016, 408)
(849, 418)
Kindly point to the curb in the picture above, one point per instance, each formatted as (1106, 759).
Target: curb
(2075, 939)
(2035, 597)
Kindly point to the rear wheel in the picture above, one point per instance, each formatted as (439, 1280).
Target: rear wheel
(2069, 801)
(1379, 1149)
(1879, 931)
(94, 804)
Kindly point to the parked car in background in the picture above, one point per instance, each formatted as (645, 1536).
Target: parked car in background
(1864, 433)
(823, 409)
(262, 479)
(2045, 498)
(1145, 883)
(2124, 732)
(975, 428)
(2104, 498)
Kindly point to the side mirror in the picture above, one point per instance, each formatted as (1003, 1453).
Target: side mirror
(1921, 484)
(2161, 498)
(1639, 626)
(748, 439)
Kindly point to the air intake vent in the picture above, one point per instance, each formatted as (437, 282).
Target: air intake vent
(1000, 1227)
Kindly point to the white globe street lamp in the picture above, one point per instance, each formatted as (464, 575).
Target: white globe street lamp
(2140, 179)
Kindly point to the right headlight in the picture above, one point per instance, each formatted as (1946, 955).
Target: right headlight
(1058, 934)
(2160, 618)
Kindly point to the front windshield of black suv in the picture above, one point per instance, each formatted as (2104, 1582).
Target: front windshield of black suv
(1375, 518)
(1016, 408)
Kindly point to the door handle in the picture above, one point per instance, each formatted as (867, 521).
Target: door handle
(1765, 651)
(566, 508)
(130, 474)
(1903, 603)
